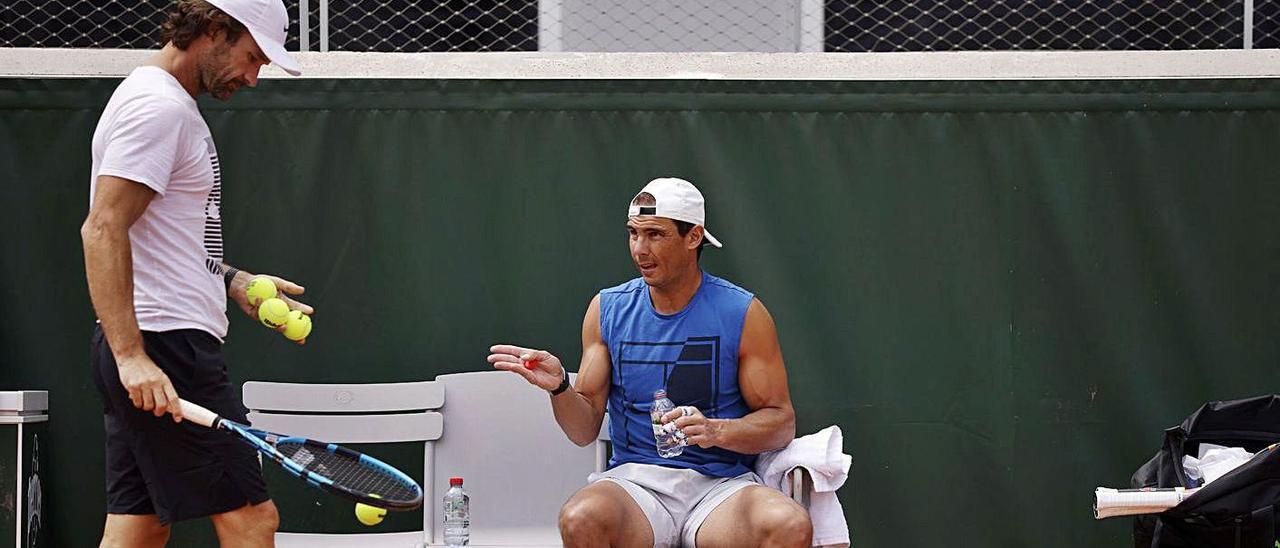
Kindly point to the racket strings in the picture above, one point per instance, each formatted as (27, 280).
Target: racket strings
(348, 472)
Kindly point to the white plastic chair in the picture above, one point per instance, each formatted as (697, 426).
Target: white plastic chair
(517, 465)
(490, 428)
(346, 414)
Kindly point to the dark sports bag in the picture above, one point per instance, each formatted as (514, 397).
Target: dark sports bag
(1238, 510)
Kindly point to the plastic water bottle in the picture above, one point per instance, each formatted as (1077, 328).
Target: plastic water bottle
(670, 442)
(457, 515)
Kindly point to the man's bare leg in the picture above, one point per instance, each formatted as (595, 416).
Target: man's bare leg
(604, 515)
(129, 530)
(756, 516)
(250, 526)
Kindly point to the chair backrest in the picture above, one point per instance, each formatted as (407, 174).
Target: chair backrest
(518, 467)
(491, 428)
(352, 413)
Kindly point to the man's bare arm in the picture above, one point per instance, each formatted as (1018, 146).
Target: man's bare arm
(108, 259)
(108, 265)
(762, 378)
(580, 410)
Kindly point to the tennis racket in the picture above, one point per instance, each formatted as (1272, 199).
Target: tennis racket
(1109, 503)
(331, 467)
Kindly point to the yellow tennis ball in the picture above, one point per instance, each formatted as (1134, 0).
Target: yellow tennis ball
(273, 313)
(259, 289)
(298, 326)
(369, 515)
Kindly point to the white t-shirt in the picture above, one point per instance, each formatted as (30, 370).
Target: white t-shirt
(152, 133)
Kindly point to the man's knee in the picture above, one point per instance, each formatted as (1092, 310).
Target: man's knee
(582, 516)
(129, 531)
(263, 518)
(258, 521)
(786, 524)
(134, 539)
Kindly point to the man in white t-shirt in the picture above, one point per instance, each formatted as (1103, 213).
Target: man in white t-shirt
(154, 263)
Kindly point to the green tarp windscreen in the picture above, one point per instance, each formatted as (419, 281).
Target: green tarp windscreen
(1001, 291)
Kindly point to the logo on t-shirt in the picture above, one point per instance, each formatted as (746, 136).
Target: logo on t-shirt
(686, 369)
(213, 212)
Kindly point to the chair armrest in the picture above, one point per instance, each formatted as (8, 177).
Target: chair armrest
(801, 486)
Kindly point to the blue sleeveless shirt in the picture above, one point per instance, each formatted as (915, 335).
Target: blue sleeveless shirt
(692, 354)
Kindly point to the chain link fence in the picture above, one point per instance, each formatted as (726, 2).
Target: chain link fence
(1266, 24)
(687, 25)
(904, 25)
(449, 25)
(81, 24)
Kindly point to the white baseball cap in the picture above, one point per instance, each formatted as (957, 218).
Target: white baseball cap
(268, 22)
(675, 199)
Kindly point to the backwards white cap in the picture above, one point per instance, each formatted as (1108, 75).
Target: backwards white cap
(268, 22)
(675, 199)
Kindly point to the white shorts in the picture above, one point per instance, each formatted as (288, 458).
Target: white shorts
(676, 500)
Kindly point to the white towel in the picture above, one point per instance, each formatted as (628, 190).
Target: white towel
(1214, 462)
(822, 455)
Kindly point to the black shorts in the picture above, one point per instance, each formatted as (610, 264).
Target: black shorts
(176, 471)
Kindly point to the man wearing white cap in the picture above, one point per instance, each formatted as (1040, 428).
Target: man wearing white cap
(154, 263)
(712, 348)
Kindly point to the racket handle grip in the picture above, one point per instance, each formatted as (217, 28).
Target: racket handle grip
(198, 414)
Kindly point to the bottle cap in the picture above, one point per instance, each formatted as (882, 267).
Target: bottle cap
(659, 394)
(455, 481)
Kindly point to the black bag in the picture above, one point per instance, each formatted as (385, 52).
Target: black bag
(1238, 510)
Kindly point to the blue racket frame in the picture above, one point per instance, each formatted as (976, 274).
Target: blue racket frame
(265, 441)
